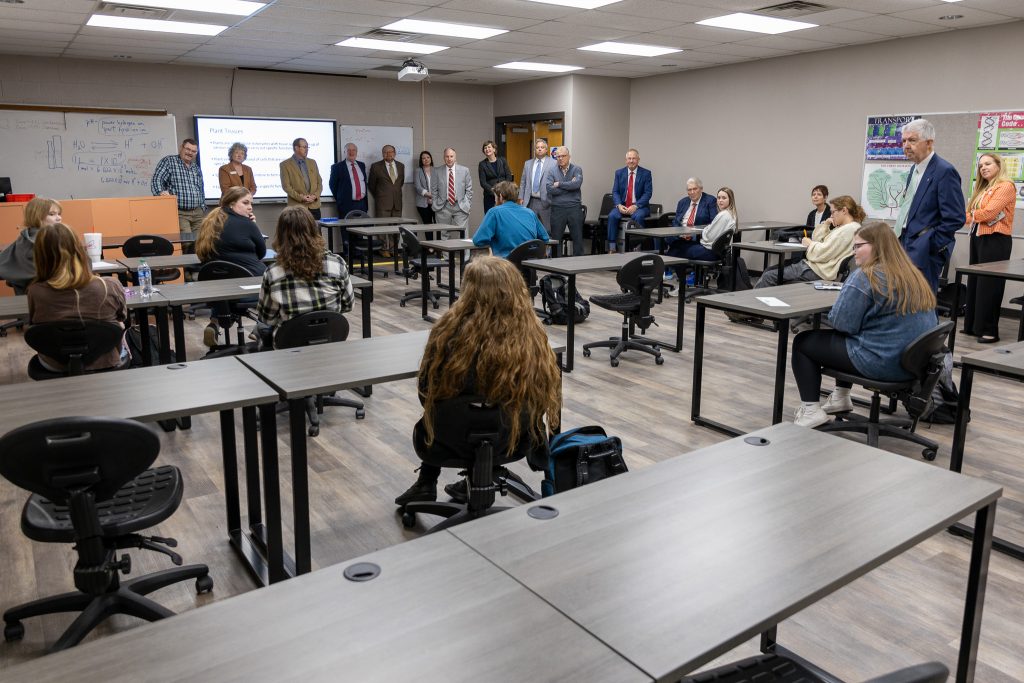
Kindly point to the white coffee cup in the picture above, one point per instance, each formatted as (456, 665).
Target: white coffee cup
(93, 245)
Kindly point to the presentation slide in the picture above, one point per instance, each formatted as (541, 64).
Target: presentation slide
(269, 142)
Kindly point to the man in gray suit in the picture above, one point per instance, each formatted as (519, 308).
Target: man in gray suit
(453, 193)
(532, 193)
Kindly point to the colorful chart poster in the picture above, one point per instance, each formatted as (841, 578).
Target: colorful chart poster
(883, 188)
(885, 138)
(1003, 133)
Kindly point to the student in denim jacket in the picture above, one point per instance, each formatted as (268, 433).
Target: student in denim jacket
(883, 306)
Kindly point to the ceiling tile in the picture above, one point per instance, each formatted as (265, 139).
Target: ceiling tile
(971, 16)
(889, 26)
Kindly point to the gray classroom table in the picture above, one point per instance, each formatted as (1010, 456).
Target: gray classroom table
(802, 299)
(436, 612)
(155, 262)
(451, 247)
(1012, 270)
(680, 562)
(371, 231)
(1005, 361)
(783, 250)
(172, 392)
(661, 235)
(571, 266)
(298, 373)
(332, 223)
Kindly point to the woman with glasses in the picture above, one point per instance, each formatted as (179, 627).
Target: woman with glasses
(990, 214)
(884, 305)
(235, 173)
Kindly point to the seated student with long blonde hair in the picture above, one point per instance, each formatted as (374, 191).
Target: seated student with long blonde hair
(489, 344)
(66, 289)
(884, 305)
(17, 261)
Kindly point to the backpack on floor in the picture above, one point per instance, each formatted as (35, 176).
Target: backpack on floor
(945, 398)
(134, 338)
(581, 456)
(554, 292)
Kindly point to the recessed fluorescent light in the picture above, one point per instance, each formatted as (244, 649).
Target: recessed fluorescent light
(580, 4)
(130, 23)
(950, 0)
(742, 21)
(392, 46)
(538, 66)
(441, 28)
(242, 8)
(634, 49)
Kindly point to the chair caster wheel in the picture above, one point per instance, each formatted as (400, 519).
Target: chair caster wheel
(658, 360)
(360, 414)
(929, 454)
(204, 584)
(615, 362)
(408, 520)
(314, 430)
(402, 304)
(586, 353)
(15, 631)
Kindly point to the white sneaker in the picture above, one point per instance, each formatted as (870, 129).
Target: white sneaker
(833, 404)
(813, 416)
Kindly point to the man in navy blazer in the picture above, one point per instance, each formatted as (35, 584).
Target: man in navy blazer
(933, 205)
(630, 199)
(706, 206)
(348, 195)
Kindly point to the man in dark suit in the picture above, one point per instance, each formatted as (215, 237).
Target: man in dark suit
(385, 182)
(697, 207)
(631, 194)
(348, 183)
(932, 209)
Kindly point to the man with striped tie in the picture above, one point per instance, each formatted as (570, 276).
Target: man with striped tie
(453, 193)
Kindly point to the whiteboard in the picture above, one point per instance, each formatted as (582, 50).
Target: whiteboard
(370, 140)
(269, 141)
(75, 155)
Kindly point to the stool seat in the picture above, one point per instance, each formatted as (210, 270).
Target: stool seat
(878, 385)
(617, 302)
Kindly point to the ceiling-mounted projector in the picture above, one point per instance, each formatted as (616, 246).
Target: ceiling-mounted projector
(412, 71)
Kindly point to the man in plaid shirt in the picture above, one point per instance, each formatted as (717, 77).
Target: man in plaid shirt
(179, 175)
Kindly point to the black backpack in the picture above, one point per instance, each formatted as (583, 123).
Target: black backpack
(134, 338)
(554, 290)
(581, 456)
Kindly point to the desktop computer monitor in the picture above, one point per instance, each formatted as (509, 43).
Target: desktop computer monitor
(5, 188)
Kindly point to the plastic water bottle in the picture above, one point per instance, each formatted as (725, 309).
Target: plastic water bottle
(145, 279)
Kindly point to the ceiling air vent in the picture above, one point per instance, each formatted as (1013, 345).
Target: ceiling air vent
(788, 10)
(134, 12)
(384, 34)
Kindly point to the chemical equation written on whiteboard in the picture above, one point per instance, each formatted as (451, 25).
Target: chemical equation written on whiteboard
(118, 150)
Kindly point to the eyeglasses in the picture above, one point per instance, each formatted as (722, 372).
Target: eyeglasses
(858, 245)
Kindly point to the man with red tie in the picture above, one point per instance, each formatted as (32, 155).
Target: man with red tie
(453, 193)
(348, 185)
(631, 194)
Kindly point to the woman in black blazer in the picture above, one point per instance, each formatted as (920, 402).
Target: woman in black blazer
(493, 170)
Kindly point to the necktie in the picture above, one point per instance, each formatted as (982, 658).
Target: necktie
(692, 214)
(908, 199)
(537, 165)
(355, 182)
(391, 171)
(629, 190)
(451, 187)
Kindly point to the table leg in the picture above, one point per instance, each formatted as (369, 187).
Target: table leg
(252, 472)
(451, 279)
(780, 371)
(229, 454)
(680, 313)
(178, 318)
(164, 334)
(977, 579)
(365, 297)
(735, 252)
(953, 310)
(424, 281)
(570, 323)
(963, 412)
(142, 319)
(351, 255)
(698, 359)
(369, 258)
(300, 483)
(782, 263)
(272, 494)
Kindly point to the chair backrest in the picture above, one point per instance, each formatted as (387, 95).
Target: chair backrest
(308, 329)
(533, 249)
(357, 213)
(222, 270)
(666, 219)
(642, 276)
(147, 245)
(654, 208)
(606, 207)
(932, 672)
(74, 343)
(721, 245)
(925, 359)
(410, 241)
(54, 458)
(844, 268)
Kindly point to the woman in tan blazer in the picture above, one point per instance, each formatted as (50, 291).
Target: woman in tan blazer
(235, 173)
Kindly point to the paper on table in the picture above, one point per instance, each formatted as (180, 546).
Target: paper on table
(466, 240)
(102, 264)
(771, 301)
(250, 286)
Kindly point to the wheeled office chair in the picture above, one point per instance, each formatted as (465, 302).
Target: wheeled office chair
(412, 253)
(18, 323)
(74, 344)
(924, 358)
(597, 228)
(474, 437)
(316, 327)
(229, 313)
(141, 246)
(91, 487)
(717, 268)
(532, 249)
(629, 223)
(773, 668)
(638, 279)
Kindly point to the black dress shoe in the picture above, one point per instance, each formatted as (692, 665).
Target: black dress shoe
(987, 339)
(420, 491)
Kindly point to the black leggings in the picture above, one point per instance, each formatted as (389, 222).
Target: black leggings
(813, 350)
